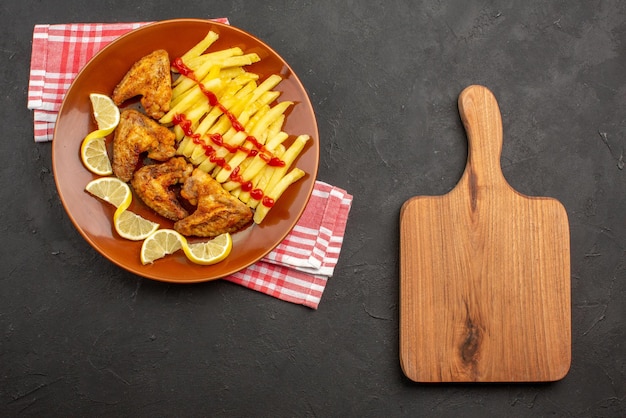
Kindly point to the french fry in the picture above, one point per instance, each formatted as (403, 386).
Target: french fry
(201, 46)
(244, 130)
(180, 135)
(260, 127)
(198, 111)
(262, 178)
(275, 128)
(184, 84)
(249, 101)
(210, 120)
(276, 139)
(262, 210)
(231, 104)
(201, 64)
(223, 61)
(230, 73)
(191, 99)
(234, 162)
(215, 81)
(253, 111)
(198, 154)
(258, 132)
(232, 185)
(235, 192)
(288, 157)
(251, 121)
(233, 139)
(267, 85)
(258, 162)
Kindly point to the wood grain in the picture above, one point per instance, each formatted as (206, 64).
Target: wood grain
(484, 272)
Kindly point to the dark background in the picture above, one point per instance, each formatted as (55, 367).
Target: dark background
(81, 337)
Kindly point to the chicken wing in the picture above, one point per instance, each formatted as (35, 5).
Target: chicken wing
(152, 184)
(136, 134)
(149, 78)
(217, 210)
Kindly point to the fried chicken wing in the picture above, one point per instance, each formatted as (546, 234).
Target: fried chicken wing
(149, 78)
(217, 210)
(152, 183)
(136, 134)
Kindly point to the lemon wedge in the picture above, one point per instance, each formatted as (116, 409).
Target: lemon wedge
(209, 252)
(105, 112)
(131, 226)
(159, 244)
(167, 241)
(111, 190)
(93, 153)
(128, 225)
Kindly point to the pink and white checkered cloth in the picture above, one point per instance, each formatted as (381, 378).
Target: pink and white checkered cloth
(298, 269)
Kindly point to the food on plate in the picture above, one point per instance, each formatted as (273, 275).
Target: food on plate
(127, 224)
(217, 155)
(167, 241)
(110, 189)
(209, 252)
(94, 155)
(93, 152)
(151, 79)
(217, 211)
(277, 191)
(131, 226)
(159, 244)
(153, 185)
(229, 124)
(105, 112)
(137, 134)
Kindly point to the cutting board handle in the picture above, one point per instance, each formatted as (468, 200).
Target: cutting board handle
(481, 117)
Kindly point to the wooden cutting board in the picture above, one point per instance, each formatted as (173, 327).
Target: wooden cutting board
(484, 272)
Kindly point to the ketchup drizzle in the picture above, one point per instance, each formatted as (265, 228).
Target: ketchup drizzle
(213, 100)
(217, 139)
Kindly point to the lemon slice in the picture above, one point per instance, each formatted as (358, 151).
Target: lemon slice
(105, 112)
(131, 226)
(112, 190)
(93, 153)
(161, 243)
(128, 225)
(167, 241)
(209, 252)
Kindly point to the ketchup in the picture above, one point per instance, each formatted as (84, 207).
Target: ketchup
(268, 201)
(185, 124)
(183, 69)
(218, 140)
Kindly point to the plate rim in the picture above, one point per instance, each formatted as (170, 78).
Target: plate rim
(148, 272)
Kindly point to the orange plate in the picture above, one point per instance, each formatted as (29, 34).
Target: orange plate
(93, 218)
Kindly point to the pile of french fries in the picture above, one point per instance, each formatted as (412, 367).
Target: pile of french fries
(255, 107)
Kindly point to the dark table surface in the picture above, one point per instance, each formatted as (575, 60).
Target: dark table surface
(81, 337)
